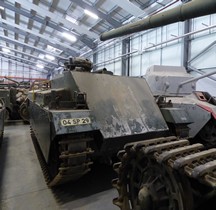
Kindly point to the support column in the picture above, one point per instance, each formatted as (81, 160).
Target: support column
(94, 61)
(186, 45)
(125, 60)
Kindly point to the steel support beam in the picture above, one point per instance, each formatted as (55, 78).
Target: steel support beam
(129, 7)
(44, 21)
(100, 14)
(36, 35)
(125, 59)
(187, 26)
(45, 13)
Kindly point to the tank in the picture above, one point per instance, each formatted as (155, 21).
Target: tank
(172, 173)
(84, 116)
(14, 94)
(2, 120)
(172, 97)
(191, 9)
(179, 171)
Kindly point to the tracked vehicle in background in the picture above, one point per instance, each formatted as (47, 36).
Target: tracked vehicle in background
(14, 94)
(175, 91)
(2, 119)
(170, 173)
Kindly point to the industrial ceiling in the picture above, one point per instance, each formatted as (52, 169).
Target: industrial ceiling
(40, 32)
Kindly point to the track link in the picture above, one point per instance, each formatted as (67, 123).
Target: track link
(74, 159)
(175, 156)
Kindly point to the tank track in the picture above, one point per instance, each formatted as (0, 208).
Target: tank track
(175, 156)
(74, 164)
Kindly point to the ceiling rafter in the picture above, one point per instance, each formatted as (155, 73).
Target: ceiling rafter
(45, 21)
(28, 26)
(53, 5)
(14, 59)
(23, 59)
(43, 12)
(59, 45)
(35, 57)
(3, 16)
(129, 7)
(10, 40)
(100, 14)
(17, 20)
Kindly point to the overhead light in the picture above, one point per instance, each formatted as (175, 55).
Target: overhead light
(71, 19)
(69, 36)
(154, 4)
(53, 49)
(40, 66)
(50, 57)
(91, 14)
(2, 8)
(6, 50)
(41, 56)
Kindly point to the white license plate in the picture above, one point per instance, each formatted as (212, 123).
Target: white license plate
(76, 121)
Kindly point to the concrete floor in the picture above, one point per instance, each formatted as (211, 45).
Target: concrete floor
(22, 185)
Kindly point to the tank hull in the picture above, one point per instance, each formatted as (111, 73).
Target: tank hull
(104, 111)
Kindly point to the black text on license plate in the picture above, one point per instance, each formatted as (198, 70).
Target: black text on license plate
(75, 121)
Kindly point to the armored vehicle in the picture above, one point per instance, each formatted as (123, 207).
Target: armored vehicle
(175, 91)
(2, 119)
(84, 116)
(13, 95)
(170, 173)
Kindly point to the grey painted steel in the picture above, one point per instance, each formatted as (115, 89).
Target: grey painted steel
(190, 68)
(210, 46)
(192, 9)
(165, 80)
(198, 115)
(187, 26)
(179, 91)
(125, 61)
(197, 78)
(176, 115)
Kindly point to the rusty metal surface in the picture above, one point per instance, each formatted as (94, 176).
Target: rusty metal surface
(122, 106)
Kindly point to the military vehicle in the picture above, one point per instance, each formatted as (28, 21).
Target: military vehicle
(14, 94)
(2, 119)
(175, 91)
(170, 173)
(85, 116)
